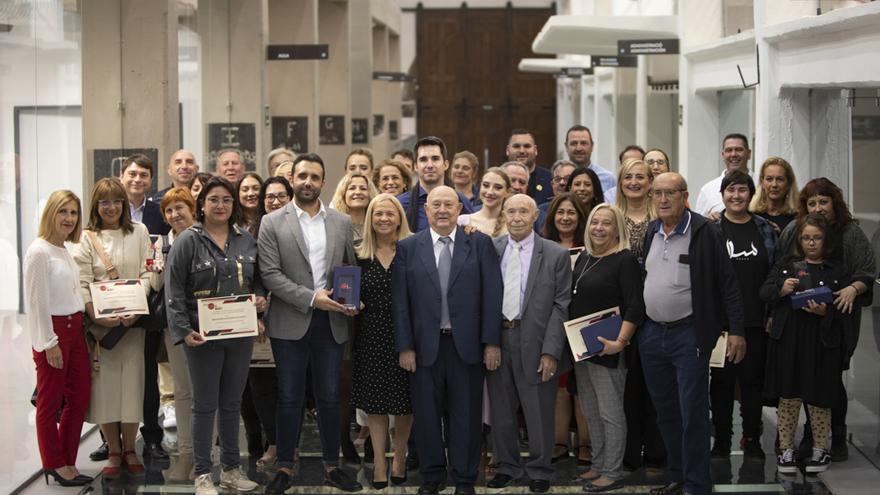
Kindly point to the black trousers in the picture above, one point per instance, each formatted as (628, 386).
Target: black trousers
(749, 373)
(258, 408)
(643, 439)
(151, 430)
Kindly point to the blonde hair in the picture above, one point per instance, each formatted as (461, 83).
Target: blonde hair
(338, 200)
(500, 224)
(620, 199)
(56, 200)
(367, 249)
(790, 203)
(622, 234)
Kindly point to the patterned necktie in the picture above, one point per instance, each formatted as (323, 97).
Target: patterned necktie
(512, 283)
(444, 266)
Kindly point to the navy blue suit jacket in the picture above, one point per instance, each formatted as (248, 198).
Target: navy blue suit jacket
(153, 219)
(474, 296)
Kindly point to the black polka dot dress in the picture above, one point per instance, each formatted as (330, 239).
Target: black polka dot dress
(380, 386)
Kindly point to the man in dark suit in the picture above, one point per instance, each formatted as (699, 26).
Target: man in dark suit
(299, 246)
(537, 290)
(137, 178)
(446, 328)
(522, 148)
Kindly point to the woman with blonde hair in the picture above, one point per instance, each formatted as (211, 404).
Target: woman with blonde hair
(54, 311)
(776, 199)
(606, 275)
(352, 196)
(381, 386)
(494, 190)
(115, 247)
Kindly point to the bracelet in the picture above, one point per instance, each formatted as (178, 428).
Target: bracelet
(623, 341)
(856, 288)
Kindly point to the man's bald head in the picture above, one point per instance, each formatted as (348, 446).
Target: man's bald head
(442, 208)
(520, 213)
(182, 168)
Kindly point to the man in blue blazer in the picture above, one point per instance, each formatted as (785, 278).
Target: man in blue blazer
(447, 293)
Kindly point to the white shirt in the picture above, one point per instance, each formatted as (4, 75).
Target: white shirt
(438, 246)
(315, 234)
(51, 286)
(709, 199)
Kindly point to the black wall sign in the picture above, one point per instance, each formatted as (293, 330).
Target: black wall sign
(241, 136)
(865, 127)
(611, 61)
(332, 129)
(360, 132)
(108, 162)
(392, 130)
(291, 133)
(393, 76)
(298, 52)
(647, 47)
(378, 124)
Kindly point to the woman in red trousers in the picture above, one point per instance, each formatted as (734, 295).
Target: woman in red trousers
(54, 310)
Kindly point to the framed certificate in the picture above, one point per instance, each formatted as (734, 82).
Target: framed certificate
(120, 297)
(228, 317)
(347, 286)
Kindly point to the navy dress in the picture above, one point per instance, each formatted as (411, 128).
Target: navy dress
(380, 386)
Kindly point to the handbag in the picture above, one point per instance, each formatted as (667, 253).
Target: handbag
(157, 320)
(106, 337)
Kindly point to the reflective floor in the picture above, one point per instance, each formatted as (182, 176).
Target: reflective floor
(734, 475)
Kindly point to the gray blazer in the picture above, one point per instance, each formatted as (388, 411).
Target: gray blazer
(286, 271)
(545, 305)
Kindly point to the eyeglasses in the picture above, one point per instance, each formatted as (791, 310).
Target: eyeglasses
(214, 200)
(658, 161)
(815, 238)
(666, 193)
(107, 203)
(271, 198)
(560, 180)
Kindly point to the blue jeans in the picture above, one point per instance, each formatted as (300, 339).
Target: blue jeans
(677, 375)
(292, 359)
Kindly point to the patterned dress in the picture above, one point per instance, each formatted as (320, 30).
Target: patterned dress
(380, 386)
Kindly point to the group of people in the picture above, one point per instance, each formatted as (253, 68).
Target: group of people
(467, 279)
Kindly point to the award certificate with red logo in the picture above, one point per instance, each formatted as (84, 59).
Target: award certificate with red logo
(228, 317)
(120, 297)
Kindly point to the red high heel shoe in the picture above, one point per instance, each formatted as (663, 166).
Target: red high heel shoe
(111, 472)
(132, 467)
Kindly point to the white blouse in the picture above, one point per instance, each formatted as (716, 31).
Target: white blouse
(51, 285)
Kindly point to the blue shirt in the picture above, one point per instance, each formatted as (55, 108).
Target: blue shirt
(422, 223)
(608, 180)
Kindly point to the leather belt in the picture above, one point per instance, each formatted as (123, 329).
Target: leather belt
(446, 331)
(687, 320)
(509, 324)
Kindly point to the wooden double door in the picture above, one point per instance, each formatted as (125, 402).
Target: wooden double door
(469, 90)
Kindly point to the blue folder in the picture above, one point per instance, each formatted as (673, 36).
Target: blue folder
(608, 328)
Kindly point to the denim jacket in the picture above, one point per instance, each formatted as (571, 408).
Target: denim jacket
(196, 268)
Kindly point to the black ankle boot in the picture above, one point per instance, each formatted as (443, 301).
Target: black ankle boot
(839, 449)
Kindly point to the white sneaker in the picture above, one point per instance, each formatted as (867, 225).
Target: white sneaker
(169, 441)
(205, 485)
(235, 479)
(170, 420)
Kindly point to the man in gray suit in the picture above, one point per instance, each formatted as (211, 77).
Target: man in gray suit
(537, 290)
(298, 247)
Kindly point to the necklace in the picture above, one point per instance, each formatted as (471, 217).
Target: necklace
(584, 271)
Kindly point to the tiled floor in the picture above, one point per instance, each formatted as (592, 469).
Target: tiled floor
(734, 475)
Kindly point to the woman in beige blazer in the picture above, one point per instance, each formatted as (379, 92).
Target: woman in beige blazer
(118, 373)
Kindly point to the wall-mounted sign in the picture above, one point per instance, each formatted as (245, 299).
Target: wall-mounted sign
(393, 76)
(241, 136)
(298, 52)
(612, 61)
(865, 127)
(108, 162)
(360, 132)
(393, 133)
(332, 129)
(647, 47)
(575, 72)
(291, 133)
(378, 124)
